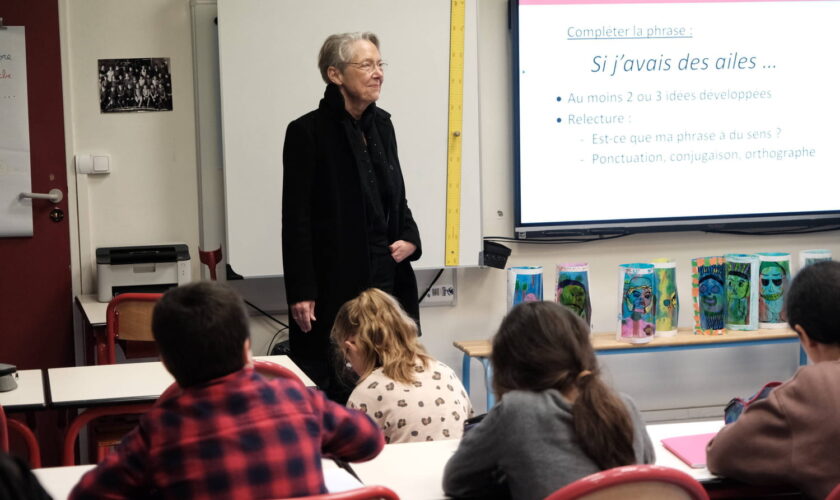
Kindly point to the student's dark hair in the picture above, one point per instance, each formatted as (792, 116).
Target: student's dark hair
(544, 345)
(200, 329)
(813, 302)
(17, 482)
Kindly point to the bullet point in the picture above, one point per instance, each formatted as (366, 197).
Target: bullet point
(559, 120)
(559, 98)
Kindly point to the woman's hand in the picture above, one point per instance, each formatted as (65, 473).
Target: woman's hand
(304, 314)
(401, 250)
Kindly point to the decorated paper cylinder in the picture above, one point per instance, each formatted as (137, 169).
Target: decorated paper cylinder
(708, 279)
(637, 302)
(808, 257)
(773, 280)
(524, 285)
(572, 289)
(667, 300)
(741, 291)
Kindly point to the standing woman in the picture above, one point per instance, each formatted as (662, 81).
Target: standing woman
(557, 420)
(346, 223)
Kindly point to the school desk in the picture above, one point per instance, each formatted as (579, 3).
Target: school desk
(59, 481)
(96, 385)
(413, 470)
(29, 394)
(93, 315)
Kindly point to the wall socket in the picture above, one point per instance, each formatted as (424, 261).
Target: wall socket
(443, 292)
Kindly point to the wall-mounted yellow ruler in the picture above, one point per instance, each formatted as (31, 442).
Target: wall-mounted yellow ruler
(456, 112)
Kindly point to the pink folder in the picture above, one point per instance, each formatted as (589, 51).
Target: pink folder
(690, 449)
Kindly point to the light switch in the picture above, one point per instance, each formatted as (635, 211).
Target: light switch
(93, 164)
(101, 164)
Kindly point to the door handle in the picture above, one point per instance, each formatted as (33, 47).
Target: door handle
(55, 196)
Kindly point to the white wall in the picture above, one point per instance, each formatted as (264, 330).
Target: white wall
(152, 196)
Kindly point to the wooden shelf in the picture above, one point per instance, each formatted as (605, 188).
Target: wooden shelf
(605, 341)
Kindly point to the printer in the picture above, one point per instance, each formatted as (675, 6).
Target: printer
(143, 269)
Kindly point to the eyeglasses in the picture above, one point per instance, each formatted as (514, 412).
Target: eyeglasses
(370, 66)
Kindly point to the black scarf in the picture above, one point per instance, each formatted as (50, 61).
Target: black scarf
(379, 194)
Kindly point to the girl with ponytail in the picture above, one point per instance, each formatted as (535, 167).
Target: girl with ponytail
(412, 396)
(556, 421)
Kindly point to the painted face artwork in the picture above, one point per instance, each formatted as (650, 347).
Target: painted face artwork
(712, 301)
(638, 319)
(737, 293)
(573, 288)
(738, 287)
(639, 295)
(772, 283)
(711, 294)
(772, 280)
(574, 297)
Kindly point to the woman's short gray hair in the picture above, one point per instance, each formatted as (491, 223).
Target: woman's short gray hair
(336, 50)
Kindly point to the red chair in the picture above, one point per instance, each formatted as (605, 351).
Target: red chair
(211, 258)
(92, 414)
(364, 493)
(273, 370)
(651, 482)
(835, 494)
(7, 425)
(129, 322)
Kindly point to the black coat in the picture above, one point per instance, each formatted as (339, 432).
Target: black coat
(325, 247)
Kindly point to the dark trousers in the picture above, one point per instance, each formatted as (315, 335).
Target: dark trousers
(315, 353)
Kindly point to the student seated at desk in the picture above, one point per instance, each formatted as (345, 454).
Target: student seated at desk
(230, 432)
(556, 422)
(793, 435)
(412, 396)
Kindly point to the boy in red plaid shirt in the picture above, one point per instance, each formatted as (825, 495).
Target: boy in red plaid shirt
(230, 432)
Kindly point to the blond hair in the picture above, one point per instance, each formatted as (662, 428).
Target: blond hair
(385, 335)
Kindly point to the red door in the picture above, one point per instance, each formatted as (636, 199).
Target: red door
(36, 327)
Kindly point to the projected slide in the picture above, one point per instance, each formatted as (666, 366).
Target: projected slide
(652, 110)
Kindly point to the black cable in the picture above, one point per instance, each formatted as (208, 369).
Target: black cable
(271, 342)
(778, 232)
(555, 241)
(272, 318)
(430, 286)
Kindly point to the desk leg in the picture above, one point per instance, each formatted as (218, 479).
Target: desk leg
(488, 382)
(465, 372)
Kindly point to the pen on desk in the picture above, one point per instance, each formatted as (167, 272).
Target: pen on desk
(346, 466)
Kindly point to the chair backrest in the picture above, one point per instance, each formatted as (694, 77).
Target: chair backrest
(129, 317)
(89, 415)
(372, 492)
(8, 425)
(4, 432)
(651, 482)
(835, 494)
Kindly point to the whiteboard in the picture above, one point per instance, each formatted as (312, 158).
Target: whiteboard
(15, 177)
(269, 76)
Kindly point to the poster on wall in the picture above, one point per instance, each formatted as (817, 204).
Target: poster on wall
(15, 214)
(130, 85)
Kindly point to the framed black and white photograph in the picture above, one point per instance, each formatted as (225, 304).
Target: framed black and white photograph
(127, 85)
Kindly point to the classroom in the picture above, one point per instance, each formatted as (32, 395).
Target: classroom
(165, 185)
